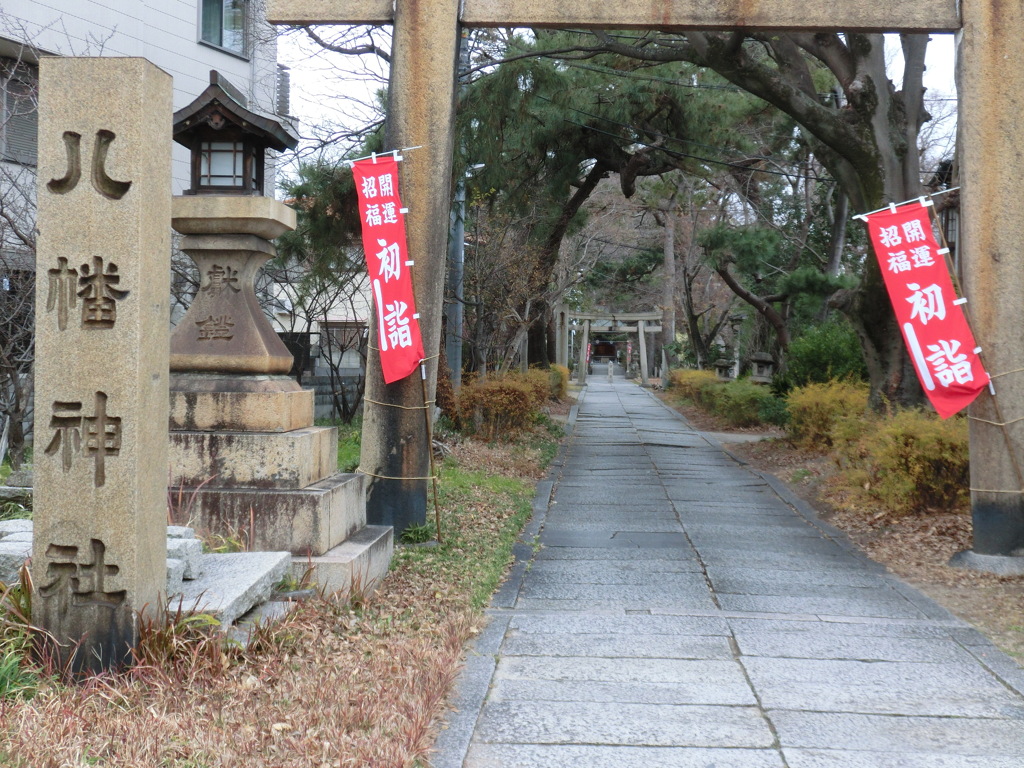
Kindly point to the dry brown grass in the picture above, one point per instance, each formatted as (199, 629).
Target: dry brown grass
(333, 684)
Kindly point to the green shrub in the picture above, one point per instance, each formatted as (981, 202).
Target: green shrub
(912, 462)
(539, 383)
(559, 382)
(823, 353)
(687, 383)
(498, 406)
(822, 414)
(774, 410)
(738, 402)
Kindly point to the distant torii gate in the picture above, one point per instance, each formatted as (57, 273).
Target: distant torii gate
(610, 322)
(991, 83)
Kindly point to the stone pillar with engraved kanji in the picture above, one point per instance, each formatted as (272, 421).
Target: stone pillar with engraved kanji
(102, 341)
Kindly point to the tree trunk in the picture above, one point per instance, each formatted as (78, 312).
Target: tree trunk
(668, 296)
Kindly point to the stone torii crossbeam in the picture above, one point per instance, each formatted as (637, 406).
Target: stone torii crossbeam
(991, 85)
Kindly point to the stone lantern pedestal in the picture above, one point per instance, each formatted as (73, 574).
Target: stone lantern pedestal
(246, 459)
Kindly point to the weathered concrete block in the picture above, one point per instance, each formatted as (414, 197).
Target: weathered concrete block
(242, 411)
(190, 553)
(281, 460)
(307, 521)
(12, 557)
(357, 564)
(233, 583)
(175, 576)
(180, 532)
(102, 339)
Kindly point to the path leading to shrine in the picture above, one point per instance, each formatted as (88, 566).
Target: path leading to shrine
(679, 612)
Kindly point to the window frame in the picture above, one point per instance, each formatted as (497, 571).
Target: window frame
(202, 6)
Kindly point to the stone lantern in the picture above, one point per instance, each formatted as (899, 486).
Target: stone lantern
(763, 368)
(228, 142)
(243, 446)
(228, 225)
(724, 368)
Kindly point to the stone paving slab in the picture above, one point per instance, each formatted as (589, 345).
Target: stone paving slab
(832, 758)
(684, 587)
(683, 611)
(560, 756)
(893, 735)
(878, 606)
(799, 645)
(619, 572)
(631, 646)
(610, 549)
(645, 624)
(549, 722)
(882, 687)
(684, 681)
(722, 576)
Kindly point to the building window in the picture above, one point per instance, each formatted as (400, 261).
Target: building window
(19, 127)
(223, 24)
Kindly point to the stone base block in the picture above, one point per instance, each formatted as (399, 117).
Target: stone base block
(242, 411)
(232, 584)
(356, 565)
(13, 555)
(307, 521)
(189, 552)
(175, 575)
(283, 460)
(1002, 565)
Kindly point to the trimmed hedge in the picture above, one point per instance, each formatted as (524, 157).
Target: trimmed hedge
(740, 403)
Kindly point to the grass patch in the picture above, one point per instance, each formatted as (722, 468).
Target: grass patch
(348, 441)
(336, 683)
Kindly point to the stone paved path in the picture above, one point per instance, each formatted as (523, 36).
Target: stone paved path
(680, 612)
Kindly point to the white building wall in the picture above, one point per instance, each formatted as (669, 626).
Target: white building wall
(164, 31)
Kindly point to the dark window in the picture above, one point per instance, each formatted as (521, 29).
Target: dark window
(223, 24)
(19, 127)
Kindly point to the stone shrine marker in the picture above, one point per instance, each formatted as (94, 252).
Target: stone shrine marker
(991, 83)
(101, 372)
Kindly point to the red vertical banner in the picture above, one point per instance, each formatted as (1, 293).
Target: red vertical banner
(387, 262)
(929, 313)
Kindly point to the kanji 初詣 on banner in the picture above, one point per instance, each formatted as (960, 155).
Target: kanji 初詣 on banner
(930, 316)
(387, 261)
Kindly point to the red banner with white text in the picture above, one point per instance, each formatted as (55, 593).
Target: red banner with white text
(929, 313)
(387, 261)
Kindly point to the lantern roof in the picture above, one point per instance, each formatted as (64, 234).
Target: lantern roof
(222, 105)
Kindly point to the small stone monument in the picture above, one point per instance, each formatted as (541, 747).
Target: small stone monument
(763, 366)
(102, 281)
(244, 449)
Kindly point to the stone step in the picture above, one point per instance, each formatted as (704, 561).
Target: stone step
(309, 520)
(357, 564)
(232, 583)
(241, 411)
(274, 460)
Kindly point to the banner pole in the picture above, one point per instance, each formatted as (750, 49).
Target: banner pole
(430, 447)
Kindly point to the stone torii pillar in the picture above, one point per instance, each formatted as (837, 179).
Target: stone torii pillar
(420, 112)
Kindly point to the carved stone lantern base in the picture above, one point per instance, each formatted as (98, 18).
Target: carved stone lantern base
(225, 330)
